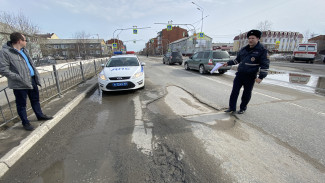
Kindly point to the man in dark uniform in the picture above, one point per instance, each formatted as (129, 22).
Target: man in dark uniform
(251, 59)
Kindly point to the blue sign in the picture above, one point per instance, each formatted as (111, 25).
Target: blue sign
(135, 31)
(169, 27)
(201, 35)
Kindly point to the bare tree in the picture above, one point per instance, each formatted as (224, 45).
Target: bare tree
(82, 40)
(264, 26)
(308, 35)
(18, 23)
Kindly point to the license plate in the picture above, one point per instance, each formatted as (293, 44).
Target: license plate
(120, 84)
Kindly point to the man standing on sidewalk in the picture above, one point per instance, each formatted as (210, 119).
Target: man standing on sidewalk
(23, 78)
(251, 59)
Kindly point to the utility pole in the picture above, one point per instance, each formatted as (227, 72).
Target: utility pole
(201, 9)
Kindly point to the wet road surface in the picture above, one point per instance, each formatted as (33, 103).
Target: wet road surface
(174, 131)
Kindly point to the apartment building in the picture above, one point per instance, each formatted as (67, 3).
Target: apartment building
(72, 48)
(280, 41)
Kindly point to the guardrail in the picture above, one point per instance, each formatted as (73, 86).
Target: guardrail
(55, 80)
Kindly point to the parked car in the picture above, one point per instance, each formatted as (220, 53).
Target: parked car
(172, 58)
(204, 61)
(58, 57)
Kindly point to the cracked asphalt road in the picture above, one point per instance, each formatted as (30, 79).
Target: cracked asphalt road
(172, 132)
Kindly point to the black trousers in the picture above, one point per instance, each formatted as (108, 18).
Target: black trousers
(21, 99)
(246, 80)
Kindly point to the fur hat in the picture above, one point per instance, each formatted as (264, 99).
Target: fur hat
(256, 33)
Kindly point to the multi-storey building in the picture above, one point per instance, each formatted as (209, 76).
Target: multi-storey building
(72, 48)
(280, 41)
(165, 37)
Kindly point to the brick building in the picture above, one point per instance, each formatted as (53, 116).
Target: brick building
(120, 44)
(320, 40)
(163, 39)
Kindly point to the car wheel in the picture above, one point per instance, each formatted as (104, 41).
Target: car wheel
(221, 71)
(186, 66)
(202, 69)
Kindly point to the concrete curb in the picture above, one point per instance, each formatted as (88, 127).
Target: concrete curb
(9, 159)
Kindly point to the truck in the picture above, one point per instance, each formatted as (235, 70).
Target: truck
(305, 52)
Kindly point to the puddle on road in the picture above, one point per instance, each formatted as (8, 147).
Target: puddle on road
(297, 81)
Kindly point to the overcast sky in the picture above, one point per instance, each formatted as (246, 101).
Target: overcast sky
(224, 18)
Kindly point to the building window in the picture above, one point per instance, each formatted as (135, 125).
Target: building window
(91, 46)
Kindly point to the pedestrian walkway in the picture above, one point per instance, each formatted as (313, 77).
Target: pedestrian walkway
(15, 141)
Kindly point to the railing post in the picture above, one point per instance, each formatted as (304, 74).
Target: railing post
(82, 72)
(57, 80)
(95, 67)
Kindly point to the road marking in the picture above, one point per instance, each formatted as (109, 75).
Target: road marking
(142, 135)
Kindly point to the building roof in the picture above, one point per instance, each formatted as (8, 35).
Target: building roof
(73, 41)
(320, 37)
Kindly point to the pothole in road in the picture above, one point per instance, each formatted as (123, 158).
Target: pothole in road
(184, 104)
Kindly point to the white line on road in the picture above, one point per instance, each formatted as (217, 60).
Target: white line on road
(141, 136)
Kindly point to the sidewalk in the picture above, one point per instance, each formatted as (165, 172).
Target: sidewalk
(15, 141)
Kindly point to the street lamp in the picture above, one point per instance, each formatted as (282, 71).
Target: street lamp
(201, 9)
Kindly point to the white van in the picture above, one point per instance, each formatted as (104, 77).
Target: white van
(305, 52)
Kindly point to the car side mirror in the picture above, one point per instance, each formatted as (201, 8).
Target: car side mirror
(191, 57)
(143, 64)
(103, 65)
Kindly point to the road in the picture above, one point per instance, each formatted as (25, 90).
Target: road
(175, 130)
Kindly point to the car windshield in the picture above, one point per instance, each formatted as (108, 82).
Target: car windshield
(302, 48)
(123, 61)
(220, 55)
(311, 48)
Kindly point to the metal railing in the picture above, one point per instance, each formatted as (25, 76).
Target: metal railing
(55, 80)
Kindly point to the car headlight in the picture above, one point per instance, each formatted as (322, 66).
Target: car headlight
(136, 75)
(102, 76)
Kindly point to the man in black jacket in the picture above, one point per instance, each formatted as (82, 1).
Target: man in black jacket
(251, 59)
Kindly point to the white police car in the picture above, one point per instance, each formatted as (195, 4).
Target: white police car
(122, 72)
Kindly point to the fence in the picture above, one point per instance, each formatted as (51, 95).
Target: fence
(55, 80)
